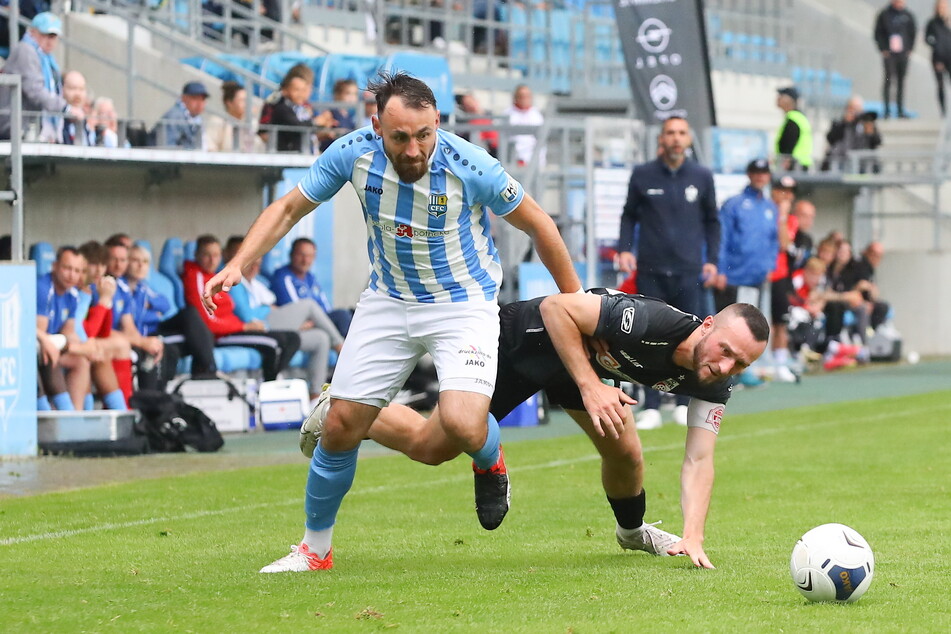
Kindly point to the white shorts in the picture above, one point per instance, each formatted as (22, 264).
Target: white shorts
(388, 336)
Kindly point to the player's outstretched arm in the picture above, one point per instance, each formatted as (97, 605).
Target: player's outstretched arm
(532, 219)
(569, 317)
(272, 225)
(696, 487)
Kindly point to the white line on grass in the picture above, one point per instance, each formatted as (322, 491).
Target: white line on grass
(12, 541)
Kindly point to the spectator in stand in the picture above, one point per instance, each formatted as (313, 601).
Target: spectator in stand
(370, 109)
(104, 123)
(339, 121)
(97, 292)
(864, 275)
(76, 131)
(749, 244)
(804, 211)
(302, 71)
(473, 114)
(480, 43)
(827, 249)
(842, 135)
(253, 300)
(276, 347)
(184, 333)
(228, 134)
(294, 111)
(794, 139)
(523, 113)
(841, 279)
(64, 371)
(182, 125)
(938, 37)
(868, 139)
(41, 81)
(671, 203)
(895, 36)
(295, 282)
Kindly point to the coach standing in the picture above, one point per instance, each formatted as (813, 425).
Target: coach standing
(672, 203)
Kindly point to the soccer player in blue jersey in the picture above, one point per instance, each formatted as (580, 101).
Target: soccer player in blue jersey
(435, 274)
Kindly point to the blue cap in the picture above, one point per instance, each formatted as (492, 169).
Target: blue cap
(195, 88)
(47, 23)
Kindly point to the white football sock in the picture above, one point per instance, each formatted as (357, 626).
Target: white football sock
(318, 541)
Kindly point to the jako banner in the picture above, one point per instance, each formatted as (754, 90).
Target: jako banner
(665, 48)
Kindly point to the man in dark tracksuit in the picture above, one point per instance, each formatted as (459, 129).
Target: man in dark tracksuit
(895, 36)
(673, 203)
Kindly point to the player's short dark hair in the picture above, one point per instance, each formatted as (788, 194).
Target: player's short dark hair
(204, 240)
(414, 92)
(229, 90)
(299, 241)
(94, 252)
(60, 252)
(118, 240)
(755, 320)
(663, 124)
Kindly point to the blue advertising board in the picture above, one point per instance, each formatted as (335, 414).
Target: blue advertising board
(17, 359)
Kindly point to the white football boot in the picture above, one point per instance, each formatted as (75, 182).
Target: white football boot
(648, 538)
(648, 419)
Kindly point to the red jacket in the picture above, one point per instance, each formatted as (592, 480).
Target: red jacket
(224, 321)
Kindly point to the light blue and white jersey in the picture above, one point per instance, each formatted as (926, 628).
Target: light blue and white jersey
(428, 241)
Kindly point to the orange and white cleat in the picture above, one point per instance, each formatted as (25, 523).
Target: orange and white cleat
(301, 559)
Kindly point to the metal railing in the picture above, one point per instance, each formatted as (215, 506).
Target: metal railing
(14, 195)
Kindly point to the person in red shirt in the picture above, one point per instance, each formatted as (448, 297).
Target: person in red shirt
(276, 347)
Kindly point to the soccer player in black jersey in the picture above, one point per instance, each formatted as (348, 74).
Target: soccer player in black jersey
(566, 344)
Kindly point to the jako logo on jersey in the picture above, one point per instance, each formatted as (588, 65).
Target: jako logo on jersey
(714, 417)
(438, 205)
(476, 356)
(627, 320)
(374, 190)
(510, 193)
(666, 385)
(691, 194)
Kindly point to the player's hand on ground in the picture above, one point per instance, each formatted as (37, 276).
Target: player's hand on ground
(608, 407)
(693, 548)
(221, 282)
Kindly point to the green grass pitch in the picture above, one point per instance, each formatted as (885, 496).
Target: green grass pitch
(182, 554)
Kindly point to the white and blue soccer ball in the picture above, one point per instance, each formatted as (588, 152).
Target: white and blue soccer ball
(832, 562)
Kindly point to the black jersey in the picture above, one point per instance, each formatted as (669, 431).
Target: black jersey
(642, 334)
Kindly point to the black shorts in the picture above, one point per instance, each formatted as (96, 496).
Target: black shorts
(528, 362)
(779, 304)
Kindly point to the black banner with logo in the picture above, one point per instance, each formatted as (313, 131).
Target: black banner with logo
(665, 48)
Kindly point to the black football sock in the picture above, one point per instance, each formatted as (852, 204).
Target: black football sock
(629, 511)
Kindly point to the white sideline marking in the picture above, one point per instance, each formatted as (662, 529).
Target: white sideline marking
(12, 541)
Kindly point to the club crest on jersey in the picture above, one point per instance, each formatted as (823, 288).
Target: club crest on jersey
(667, 385)
(627, 320)
(691, 194)
(510, 193)
(438, 204)
(715, 416)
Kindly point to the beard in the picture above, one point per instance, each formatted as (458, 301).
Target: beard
(699, 364)
(410, 171)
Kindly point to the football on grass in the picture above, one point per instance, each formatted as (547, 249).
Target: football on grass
(832, 562)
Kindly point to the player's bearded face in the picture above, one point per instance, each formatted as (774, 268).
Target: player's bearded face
(409, 137)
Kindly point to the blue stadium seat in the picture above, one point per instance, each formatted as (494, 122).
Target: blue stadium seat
(227, 359)
(145, 244)
(188, 250)
(160, 283)
(44, 255)
(431, 69)
(170, 264)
